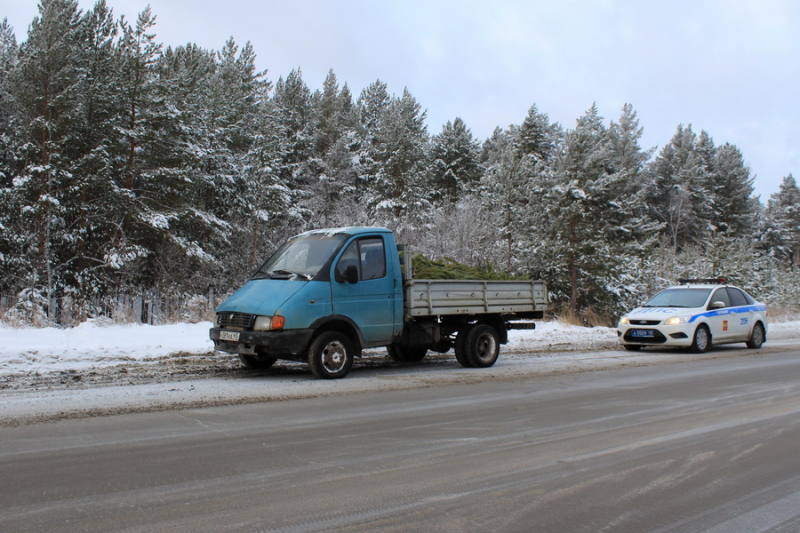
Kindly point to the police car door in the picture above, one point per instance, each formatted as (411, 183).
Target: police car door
(741, 314)
(719, 317)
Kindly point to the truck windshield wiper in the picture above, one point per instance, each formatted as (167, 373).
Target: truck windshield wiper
(288, 274)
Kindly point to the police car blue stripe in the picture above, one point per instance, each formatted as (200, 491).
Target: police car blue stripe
(729, 311)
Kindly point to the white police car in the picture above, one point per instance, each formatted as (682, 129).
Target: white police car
(696, 314)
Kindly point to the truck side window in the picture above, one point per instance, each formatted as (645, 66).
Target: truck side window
(350, 257)
(373, 258)
(367, 255)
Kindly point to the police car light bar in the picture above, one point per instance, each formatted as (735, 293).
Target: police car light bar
(715, 281)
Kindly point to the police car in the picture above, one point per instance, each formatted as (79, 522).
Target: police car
(696, 315)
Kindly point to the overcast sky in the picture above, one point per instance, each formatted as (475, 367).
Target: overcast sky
(730, 67)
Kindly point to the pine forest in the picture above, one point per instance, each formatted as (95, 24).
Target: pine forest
(140, 182)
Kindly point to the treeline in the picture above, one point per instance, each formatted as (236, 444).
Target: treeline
(131, 170)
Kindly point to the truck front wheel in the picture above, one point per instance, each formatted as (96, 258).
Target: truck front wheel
(257, 362)
(479, 347)
(330, 355)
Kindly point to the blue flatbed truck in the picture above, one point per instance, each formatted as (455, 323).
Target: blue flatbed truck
(326, 295)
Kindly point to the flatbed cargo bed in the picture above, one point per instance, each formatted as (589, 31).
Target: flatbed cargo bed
(436, 297)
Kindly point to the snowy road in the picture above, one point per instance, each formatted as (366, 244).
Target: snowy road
(91, 371)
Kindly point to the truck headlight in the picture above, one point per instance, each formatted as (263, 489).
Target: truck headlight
(268, 323)
(674, 321)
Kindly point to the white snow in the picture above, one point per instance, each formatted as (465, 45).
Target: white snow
(95, 345)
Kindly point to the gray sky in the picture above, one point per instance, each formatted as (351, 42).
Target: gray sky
(730, 67)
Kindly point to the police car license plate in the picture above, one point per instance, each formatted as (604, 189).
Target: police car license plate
(642, 333)
(229, 336)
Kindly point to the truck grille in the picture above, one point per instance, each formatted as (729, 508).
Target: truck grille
(235, 320)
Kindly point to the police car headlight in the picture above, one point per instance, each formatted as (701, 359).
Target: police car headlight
(676, 320)
(623, 320)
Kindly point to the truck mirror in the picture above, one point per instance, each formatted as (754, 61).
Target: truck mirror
(351, 274)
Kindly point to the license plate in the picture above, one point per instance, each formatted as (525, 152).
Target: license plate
(229, 336)
(642, 333)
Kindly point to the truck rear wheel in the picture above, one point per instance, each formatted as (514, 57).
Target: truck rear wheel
(406, 354)
(330, 355)
(480, 347)
(461, 354)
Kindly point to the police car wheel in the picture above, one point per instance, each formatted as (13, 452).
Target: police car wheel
(756, 337)
(702, 340)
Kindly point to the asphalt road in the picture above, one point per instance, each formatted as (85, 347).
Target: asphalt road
(708, 445)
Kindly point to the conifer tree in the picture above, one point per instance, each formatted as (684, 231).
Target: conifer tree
(399, 188)
(12, 267)
(784, 213)
(46, 86)
(730, 191)
(454, 163)
(672, 194)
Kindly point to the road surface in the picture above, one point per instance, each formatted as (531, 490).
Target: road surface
(707, 445)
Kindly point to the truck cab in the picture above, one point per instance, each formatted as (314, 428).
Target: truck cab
(344, 283)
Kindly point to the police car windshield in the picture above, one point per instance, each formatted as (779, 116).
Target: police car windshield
(679, 298)
(301, 258)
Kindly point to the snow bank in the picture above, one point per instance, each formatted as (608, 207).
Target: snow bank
(93, 345)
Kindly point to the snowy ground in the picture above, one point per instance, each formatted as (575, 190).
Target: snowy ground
(51, 373)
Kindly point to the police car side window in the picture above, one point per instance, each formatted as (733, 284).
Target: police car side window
(721, 296)
(737, 297)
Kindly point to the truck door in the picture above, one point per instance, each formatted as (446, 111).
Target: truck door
(370, 301)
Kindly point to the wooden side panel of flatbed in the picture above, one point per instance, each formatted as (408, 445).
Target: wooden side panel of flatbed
(473, 297)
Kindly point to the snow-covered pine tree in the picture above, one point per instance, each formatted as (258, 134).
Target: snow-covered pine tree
(676, 184)
(94, 201)
(12, 269)
(398, 194)
(730, 195)
(143, 163)
(784, 214)
(454, 165)
(372, 107)
(46, 86)
(632, 234)
(332, 171)
(292, 99)
(592, 219)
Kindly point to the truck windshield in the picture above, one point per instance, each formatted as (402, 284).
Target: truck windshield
(679, 298)
(301, 257)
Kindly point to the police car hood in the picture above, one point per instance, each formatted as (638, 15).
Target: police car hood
(662, 313)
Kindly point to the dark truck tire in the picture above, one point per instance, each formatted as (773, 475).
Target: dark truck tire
(478, 346)
(257, 362)
(461, 354)
(331, 355)
(406, 354)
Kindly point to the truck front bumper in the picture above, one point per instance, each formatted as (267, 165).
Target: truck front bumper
(285, 343)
